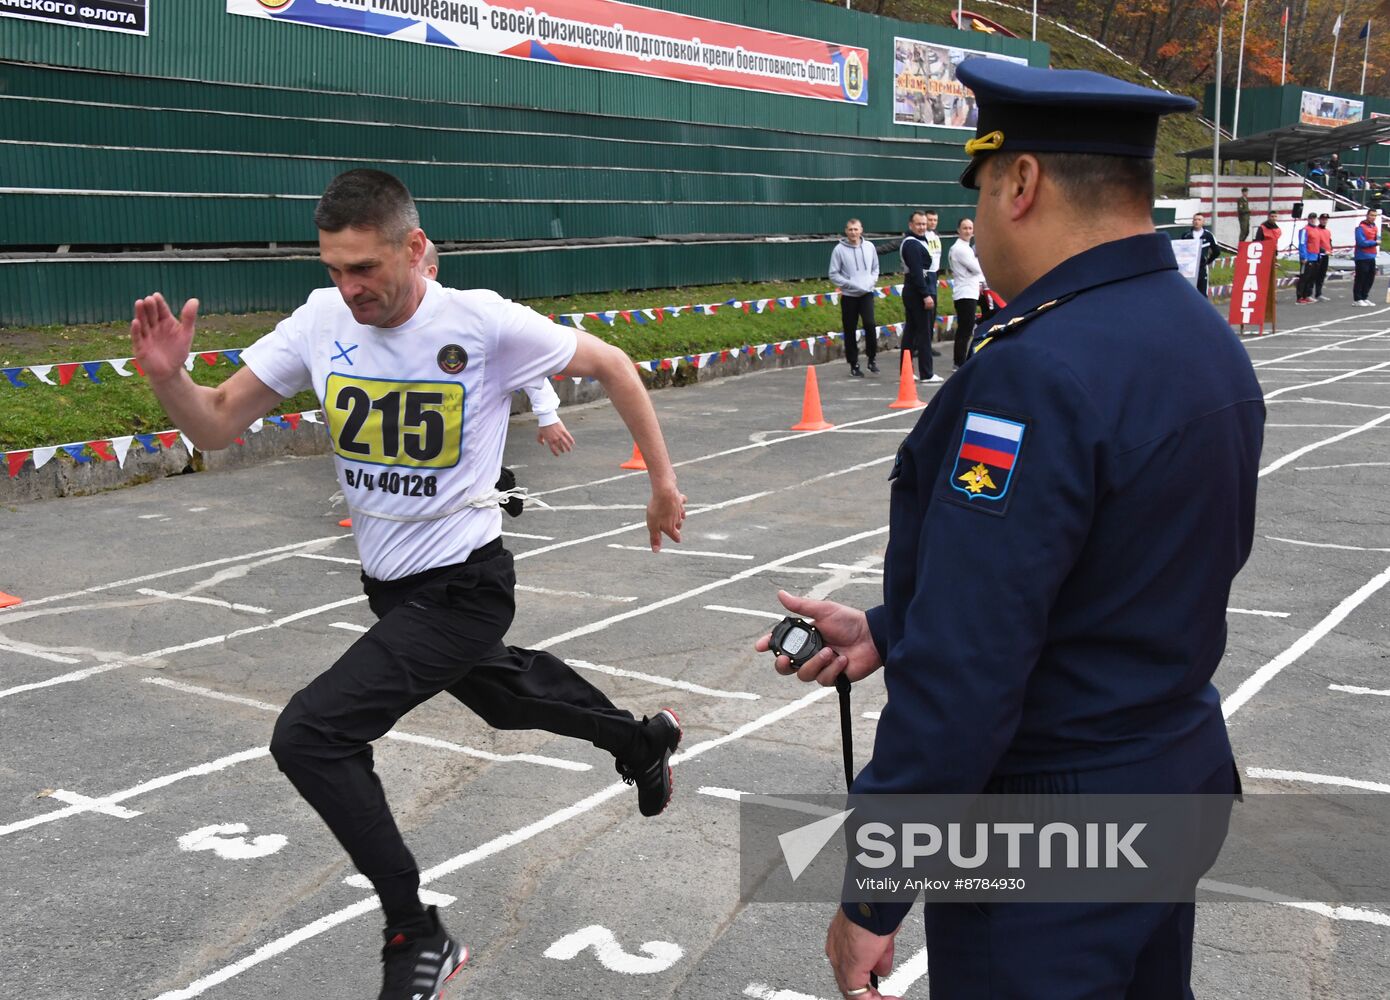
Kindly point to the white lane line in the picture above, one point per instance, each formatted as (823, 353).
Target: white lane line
(761, 991)
(1263, 614)
(349, 627)
(613, 598)
(92, 805)
(869, 430)
(1325, 545)
(1316, 350)
(317, 542)
(1315, 427)
(480, 853)
(427, 897)
(790, 805)
(236, 699)
(1347, 465)
(151, 592)
(1300, 452)
(854, 569)
(147, 786)
(875, 716)
(594, 506)
(1317, 779)
(497, 758)
(1353, 689)
(682, 551)
(1266, 338)
(895, 414)
(905, 975)
(670, 682)
(27, 650)
(324, 558)
(76, 675)
(621, 529)
(1354, 913)
(1334, 402)
(744, 611)
(599, 626)
(1252, 684)
(522, 534)
(1327, 381)
(395, 734)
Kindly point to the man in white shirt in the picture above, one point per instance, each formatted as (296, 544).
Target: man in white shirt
(545, 402)
(415, 381)
(966, 281)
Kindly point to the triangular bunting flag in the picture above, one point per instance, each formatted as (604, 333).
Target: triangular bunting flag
(188, 362)
(233, 355)
(119, 365)
(41, 373)
(626, 314)
(277, 421)
(90, 367)
(13, 375)
(78, 453)
(210, 357)
(167, 438)
(639, 316)
(239, 440)
(293, 420)
(65, 372)
(147, 442)
(42, 456)
(311, 415)
(137, 367)
(257, 424)
(103, 450)
(122, 446)
(16, 460)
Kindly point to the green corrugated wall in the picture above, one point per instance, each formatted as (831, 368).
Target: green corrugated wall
(220, 131)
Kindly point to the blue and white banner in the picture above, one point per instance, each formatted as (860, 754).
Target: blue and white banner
(129, 16)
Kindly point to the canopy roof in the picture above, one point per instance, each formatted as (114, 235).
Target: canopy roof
(1298, 143)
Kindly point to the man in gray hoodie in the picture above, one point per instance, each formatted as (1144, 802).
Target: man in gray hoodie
(854, 271)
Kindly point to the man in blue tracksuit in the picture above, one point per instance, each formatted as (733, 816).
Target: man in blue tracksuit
(921, 254)
(1364, 257)
(1063, 533)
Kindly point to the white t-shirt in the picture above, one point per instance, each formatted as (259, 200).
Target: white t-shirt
(966, 276)
(417, 414)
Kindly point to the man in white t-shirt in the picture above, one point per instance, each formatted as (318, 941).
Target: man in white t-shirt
(416, 383)
(545, 403)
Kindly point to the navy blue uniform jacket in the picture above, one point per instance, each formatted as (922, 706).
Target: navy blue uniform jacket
(1066, 520)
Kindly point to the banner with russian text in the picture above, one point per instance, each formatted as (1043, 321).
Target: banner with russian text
(129, 16)
(925, 88)
(598, 34)
(1252, 285)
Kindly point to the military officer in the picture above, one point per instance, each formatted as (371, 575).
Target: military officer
(1064, 530)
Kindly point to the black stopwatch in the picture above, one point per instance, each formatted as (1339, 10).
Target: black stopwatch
(796, 639)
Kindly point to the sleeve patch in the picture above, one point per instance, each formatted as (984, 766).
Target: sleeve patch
(986, 461)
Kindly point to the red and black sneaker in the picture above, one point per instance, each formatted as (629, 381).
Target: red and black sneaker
(652, 776)
(417, 967)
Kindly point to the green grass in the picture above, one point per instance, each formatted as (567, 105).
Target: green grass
(42, 415)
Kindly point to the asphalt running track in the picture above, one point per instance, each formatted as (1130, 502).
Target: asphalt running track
(151, 849)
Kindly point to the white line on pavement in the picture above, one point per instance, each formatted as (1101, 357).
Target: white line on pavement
(151, 592)
(1353, 689)
(1300, 452)
(1317, 779)
(23, 648)
(682, 551)
(663, 681)
(744, 611)
(1327, 381)
(1252, 684)
(1263, 614)
(1325, 545)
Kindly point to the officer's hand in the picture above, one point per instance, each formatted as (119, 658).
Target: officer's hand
(556, 437)
(929, 302)
(854, 953)
(665, 515)
(849, 646)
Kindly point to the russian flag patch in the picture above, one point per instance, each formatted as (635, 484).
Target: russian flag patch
(986, 459)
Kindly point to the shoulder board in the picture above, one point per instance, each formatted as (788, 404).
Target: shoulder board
(1013, 326)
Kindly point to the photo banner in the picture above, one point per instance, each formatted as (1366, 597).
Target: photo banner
(925, 89)
(129, 16)
(1326, 109)
(1377, 114)
(598, 34)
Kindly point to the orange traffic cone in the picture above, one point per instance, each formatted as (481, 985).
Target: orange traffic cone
(907, 388)
(636, 461)
(8, 600)
(345, 523)
(811, 417)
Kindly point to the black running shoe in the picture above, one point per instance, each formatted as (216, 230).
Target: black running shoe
(653, 776)
(416, 968)
(873, 366)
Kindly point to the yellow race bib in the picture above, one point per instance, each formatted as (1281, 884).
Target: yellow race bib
(384, 422)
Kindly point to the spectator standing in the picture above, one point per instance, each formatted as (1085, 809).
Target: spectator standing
(919, 291)
(966, 281)
(1308, 243)
(1200, 232)
(1324, 257)
(854, 271)
(1269, 229)
(1364, 257)
(1243, 213)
